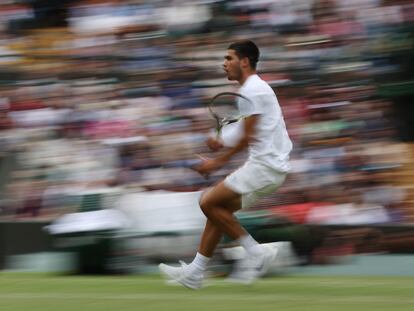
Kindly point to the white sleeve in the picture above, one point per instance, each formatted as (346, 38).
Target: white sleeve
(232, 133)
(255, 105)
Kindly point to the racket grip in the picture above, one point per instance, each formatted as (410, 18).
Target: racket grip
(184, 163)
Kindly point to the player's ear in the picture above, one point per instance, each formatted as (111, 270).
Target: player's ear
(244, 62)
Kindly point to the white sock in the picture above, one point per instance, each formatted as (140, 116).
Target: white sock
(199, 264)
(251, 246)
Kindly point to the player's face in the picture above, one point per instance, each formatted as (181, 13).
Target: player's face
(232, 65)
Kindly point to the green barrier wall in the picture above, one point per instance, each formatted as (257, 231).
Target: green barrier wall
(22, 238)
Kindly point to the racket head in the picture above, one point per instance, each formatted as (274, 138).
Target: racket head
(224, 108)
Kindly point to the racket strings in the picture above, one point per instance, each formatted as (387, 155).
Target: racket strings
(224, 108)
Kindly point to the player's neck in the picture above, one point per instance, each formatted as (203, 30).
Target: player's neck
(246, 75)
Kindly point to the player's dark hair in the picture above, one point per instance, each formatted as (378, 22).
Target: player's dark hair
(246, 48)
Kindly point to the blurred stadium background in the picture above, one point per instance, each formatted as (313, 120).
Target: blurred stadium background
(99, 100)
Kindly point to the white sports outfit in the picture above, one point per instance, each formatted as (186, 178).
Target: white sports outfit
(268, 161)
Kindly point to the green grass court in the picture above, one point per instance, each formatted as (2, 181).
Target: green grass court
(46, 292)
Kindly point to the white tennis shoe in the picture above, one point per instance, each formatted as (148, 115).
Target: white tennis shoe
(181, 275)
(250, 268)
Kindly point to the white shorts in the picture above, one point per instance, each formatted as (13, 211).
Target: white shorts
(254, 180)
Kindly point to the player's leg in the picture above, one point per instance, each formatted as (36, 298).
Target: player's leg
(219, 205)
(249, 267)
(212, 234)
(210, 237)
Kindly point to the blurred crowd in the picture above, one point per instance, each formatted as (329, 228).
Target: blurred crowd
(106, 94)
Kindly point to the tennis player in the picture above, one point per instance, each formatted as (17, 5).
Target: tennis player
(268, 144)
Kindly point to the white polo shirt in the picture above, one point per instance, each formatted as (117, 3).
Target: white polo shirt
(271, 144)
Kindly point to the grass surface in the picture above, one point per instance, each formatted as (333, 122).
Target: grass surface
(45, 292)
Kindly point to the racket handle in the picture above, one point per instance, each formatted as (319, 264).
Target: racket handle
(184, 163)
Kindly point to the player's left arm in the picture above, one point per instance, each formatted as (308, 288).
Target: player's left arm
(249, 129)
(248, 133)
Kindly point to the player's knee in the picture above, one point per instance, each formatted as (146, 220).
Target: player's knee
(205, 203)
(208, 202)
